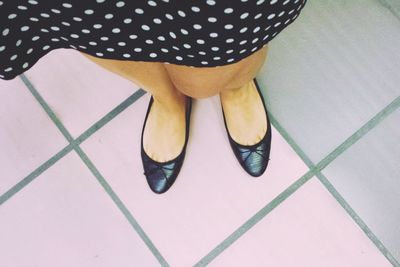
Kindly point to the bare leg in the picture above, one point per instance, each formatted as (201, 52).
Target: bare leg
(169, 83)
(244, 112)
(164, 134)
(208, 81)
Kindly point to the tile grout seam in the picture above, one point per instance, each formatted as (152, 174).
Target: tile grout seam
(74, 145)
(388, 6)
(86, 134)
(38, 171)
(47, 109)
(357, 135)
(315, 169)
(95, 127)
(122, 207)
(296, 148)
(253, 220)
(358, 220)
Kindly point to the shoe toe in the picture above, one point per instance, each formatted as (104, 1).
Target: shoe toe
(254, 160)
(160, 177)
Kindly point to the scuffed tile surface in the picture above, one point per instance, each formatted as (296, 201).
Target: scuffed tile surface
(78, 90)
(65, 218)
(211, 197)
(332, 70)
(309, 229)
(28, 137)
(368, 177)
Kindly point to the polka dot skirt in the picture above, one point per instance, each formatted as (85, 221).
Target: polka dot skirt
(203, 33)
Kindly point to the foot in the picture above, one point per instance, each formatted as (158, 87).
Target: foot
(244, 114)
(164, 133)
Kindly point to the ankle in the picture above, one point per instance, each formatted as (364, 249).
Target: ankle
(173, 103)
(236, 95)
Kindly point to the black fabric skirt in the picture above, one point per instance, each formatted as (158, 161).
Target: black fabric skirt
(202, 33)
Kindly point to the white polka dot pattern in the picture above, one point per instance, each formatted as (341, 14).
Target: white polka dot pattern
(200, 34)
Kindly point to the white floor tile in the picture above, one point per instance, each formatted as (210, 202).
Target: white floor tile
(367, 175)
(309, 229)
(332, 70)
(79, 91)
(28, 137)
(64, 218)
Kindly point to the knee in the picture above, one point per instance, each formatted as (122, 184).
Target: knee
(198, 91)
(196, 87)
(199, 82)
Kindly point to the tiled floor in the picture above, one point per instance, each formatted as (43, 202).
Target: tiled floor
(72, 192)
(304, 232)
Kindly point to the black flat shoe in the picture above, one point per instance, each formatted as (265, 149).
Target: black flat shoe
(161, 175)
(254, 159)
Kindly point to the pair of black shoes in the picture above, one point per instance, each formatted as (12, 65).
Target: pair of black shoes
(254, 159)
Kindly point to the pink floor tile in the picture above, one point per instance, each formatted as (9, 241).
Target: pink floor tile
(64, 218)
(28, 137)
(79, 90)
(309, 229)
(212, 195)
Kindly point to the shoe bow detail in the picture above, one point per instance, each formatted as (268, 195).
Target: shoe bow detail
(161, 175)
(165, 169)
(254, 158)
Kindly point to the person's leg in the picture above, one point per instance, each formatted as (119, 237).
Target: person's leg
(164, 134)
(169, 83)
(243, 108)
(208, 81)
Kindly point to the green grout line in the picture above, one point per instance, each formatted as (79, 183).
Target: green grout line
(368, 126)
(109, 116)
(259, 215)
(392, 10)
(358, 220)
(121, 206)
(380, 116)
(290, 141)
(74, 144)
(254, 220)
(46, 107)
(24, 182)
